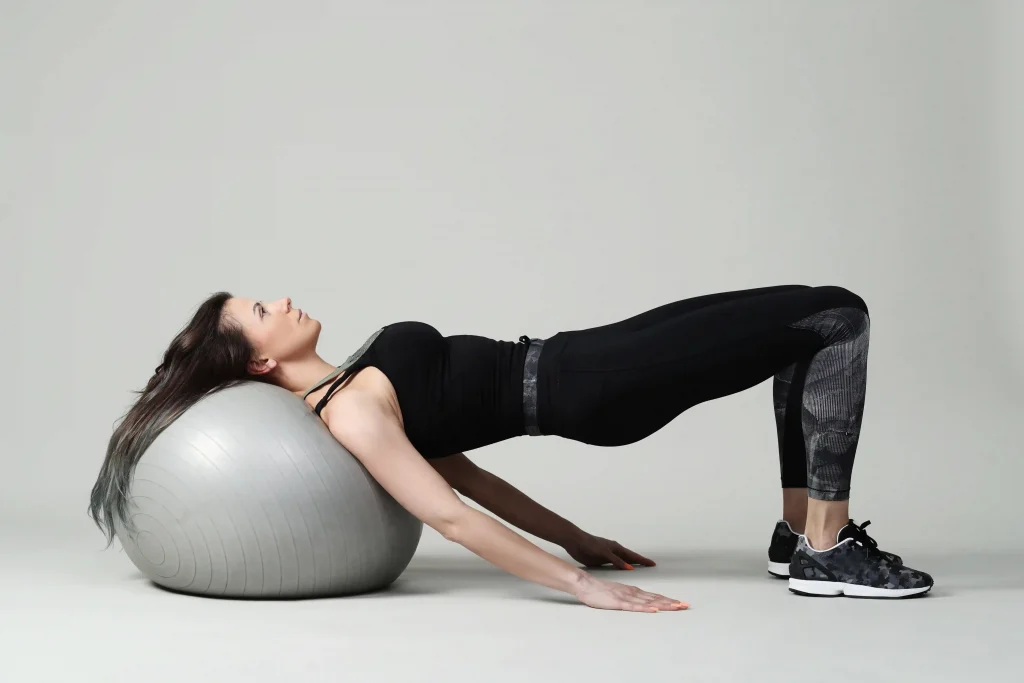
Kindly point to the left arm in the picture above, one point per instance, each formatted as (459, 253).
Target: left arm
(498, 496)
(509, 503)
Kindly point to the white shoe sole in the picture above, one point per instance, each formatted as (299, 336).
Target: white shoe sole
(779, 569)
(832, 588)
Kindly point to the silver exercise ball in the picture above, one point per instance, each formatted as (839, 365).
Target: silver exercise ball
(249, 495)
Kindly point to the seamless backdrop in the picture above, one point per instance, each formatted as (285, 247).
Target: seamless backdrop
(521, 168)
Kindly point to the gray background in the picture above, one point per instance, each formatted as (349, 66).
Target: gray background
(522, 168)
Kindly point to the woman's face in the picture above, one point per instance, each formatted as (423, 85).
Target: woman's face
(277, 331)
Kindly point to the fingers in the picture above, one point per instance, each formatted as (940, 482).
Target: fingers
(661, 602)
(651, 601)
(642, 606)
(618, 561)
(667, 604)
(632, 557)
(619, 596)
(634, 603)
(636, 607)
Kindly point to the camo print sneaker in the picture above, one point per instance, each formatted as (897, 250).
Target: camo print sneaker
(780, 551)
(853, 567)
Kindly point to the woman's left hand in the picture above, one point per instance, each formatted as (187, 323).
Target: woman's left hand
(594, 551)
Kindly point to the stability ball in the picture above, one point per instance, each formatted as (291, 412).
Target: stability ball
(248, 495)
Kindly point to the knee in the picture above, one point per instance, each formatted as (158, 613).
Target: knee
(841, 316)
(839, 297)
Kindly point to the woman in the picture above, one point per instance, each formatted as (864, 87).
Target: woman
(411, 402)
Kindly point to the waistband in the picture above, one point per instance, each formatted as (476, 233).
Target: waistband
(530, 400)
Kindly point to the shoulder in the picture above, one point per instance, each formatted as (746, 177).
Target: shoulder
(353, 402)
(368, 428)
(360, 417)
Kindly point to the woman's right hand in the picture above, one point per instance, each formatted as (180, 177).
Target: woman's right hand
(611, 595)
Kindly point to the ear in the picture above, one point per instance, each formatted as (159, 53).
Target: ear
(262, 366)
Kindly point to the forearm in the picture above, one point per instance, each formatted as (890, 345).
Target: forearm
(504, 548)
(515, 507)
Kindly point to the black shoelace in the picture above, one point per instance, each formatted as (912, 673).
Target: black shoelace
(859, 535)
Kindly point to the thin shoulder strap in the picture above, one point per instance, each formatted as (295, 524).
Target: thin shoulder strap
(324, 381)
(340, 370)
(346, 373)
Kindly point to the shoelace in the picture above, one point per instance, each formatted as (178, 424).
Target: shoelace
(859, 535)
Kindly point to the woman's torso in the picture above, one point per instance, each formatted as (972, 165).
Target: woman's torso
(454, 393)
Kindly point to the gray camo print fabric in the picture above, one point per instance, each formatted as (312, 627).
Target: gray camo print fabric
(833, 399)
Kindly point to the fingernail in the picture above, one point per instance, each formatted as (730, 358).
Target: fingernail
(629, 566)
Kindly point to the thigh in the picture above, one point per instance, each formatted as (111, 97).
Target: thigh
(619, 388)
(707, 336)
(675, 309)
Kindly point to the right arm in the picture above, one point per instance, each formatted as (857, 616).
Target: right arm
(512, 505)
(369, 429)
(504, 500)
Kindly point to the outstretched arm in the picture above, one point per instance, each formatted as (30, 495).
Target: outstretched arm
(369, 429)
(512, 505)
(506, 501)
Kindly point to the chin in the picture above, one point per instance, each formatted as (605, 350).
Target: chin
(315, 332)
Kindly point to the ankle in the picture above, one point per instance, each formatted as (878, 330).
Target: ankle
(794, 508)
(823, 533)
(821, 539)
(798, 523)
(824, 521)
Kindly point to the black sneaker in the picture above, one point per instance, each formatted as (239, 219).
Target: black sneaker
(854, 567)
(780, 552)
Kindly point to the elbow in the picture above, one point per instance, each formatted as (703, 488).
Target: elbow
(450, 531)
(453, 526)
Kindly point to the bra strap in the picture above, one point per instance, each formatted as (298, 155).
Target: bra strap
(330, 392)
(322, 382)
(341, 370)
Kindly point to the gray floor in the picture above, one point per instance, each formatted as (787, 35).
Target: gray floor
(68, 613)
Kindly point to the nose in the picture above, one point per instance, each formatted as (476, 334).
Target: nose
(286, 303)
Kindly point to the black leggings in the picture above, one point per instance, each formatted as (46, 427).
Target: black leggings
(619, 383)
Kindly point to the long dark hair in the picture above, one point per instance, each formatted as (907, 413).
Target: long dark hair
(208, 354)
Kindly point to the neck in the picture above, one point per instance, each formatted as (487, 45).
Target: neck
(298, 376)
